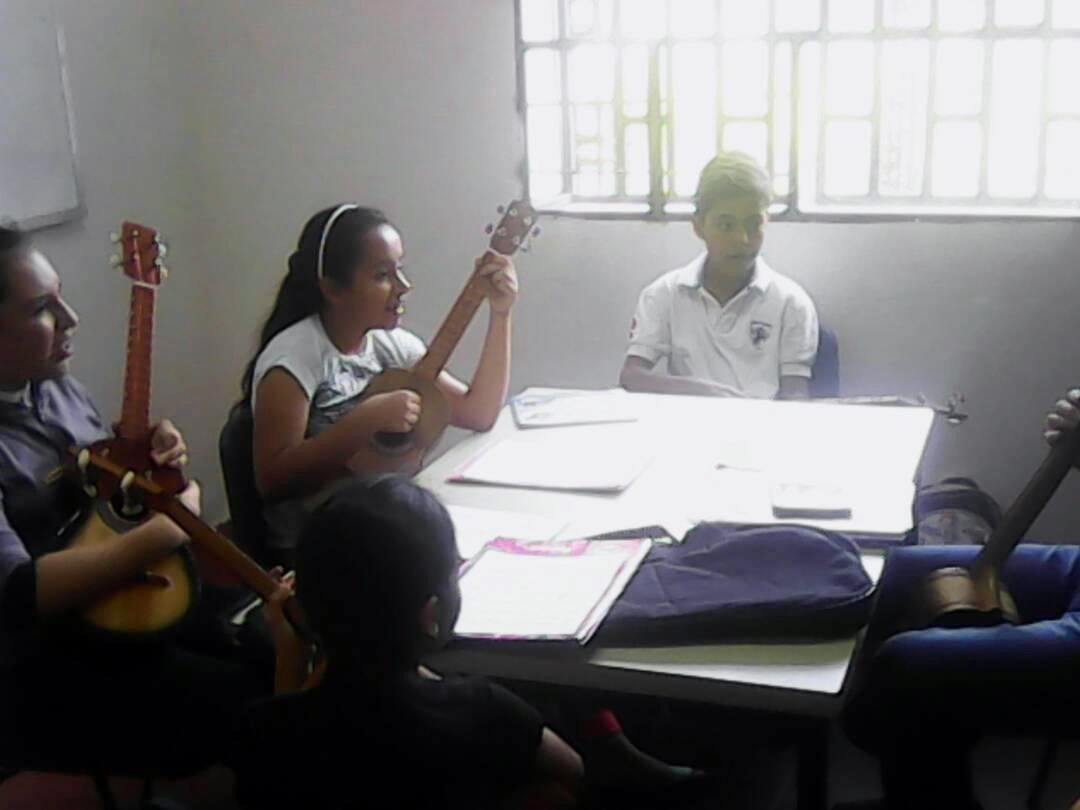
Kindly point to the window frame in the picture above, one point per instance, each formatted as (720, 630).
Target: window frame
(660, 209)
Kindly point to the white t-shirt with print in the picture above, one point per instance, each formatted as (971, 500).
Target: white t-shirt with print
(327, 376)
(768, 330)
(331, 380)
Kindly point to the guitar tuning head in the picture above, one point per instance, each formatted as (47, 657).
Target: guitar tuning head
(162, 248)
(114, 237)
(115, 261)
(501, 209)
(535, 232)
(489, 228)
(164, 272)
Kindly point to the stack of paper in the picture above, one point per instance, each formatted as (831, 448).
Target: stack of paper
(597, 459)
(556, 590)
(476, 527)
(554, 407)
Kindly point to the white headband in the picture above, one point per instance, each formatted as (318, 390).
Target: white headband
(341, 209)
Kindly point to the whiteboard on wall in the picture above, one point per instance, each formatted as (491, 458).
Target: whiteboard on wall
(37, 146)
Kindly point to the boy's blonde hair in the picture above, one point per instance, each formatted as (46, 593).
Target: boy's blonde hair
(731, 174)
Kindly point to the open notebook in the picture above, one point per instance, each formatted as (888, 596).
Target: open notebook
(558, 590)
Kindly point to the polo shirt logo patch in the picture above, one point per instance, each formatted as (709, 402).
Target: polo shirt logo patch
(759, 332)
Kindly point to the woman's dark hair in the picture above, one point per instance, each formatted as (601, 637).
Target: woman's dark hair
(12, 242)
(299, 295)
(368, 561)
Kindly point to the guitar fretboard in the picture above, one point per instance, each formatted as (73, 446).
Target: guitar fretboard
(451, 331)
(135, 411)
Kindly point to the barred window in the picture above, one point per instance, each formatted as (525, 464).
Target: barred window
(856, 107)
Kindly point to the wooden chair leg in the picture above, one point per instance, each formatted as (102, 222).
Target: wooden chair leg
(1042, 773)
(812, 778)
(104, 790)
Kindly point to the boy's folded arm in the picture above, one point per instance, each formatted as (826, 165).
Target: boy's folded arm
(639, 375)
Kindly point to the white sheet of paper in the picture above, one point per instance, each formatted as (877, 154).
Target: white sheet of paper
(474, 527)
(552, 407)
(598, 458)
(521, 595)
(810, 498)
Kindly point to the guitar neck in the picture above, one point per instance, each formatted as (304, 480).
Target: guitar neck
(135, 411)
(249, 571)
(1028, 505)
(451, 331)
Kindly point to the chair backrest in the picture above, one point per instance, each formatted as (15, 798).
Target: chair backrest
(825, 374)
(235, 448)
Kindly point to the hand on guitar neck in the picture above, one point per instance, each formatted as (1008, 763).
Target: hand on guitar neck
(1063, 418)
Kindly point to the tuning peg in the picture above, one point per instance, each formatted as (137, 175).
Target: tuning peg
(163, 272)
(500, 209)
(162, 248)
(524, 248)
(114, 237)
(535, 232)
(489, 228)
(115, 261)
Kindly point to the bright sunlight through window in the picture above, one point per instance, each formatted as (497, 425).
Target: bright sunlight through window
(856, 107)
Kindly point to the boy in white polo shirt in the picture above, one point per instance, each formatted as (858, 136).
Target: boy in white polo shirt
(726, 324)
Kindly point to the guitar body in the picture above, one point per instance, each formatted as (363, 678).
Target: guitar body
(158, 602)
(434, 412)
(167, 591)
(974, 596)
(957, 598)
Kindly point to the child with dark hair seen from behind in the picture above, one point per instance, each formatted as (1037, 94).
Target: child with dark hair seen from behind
(379, 598)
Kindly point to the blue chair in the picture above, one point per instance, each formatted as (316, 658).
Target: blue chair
(825, 373)
(921, 697)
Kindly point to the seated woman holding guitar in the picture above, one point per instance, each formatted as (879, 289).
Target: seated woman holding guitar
(64, 698)
(334, 327)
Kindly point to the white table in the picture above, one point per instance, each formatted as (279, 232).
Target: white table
(876, 447)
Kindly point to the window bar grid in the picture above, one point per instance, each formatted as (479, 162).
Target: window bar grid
(823, 61)
(664, 54)
(660, 129)
(770, 117)
(619, 119)
(564, 98)
(983, 118)
(655, 129)
(1044, 106)
(522, 103)
(795, 127)
(874, 191)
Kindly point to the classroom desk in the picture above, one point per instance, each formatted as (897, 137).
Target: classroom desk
(680, 485)
(687, 437)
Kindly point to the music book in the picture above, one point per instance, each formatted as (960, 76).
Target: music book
(475, 527)
(558, 407)
(605, 458)
(555, 590)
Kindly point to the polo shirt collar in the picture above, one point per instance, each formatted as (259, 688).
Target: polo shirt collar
(691, 275)
(20, 397)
